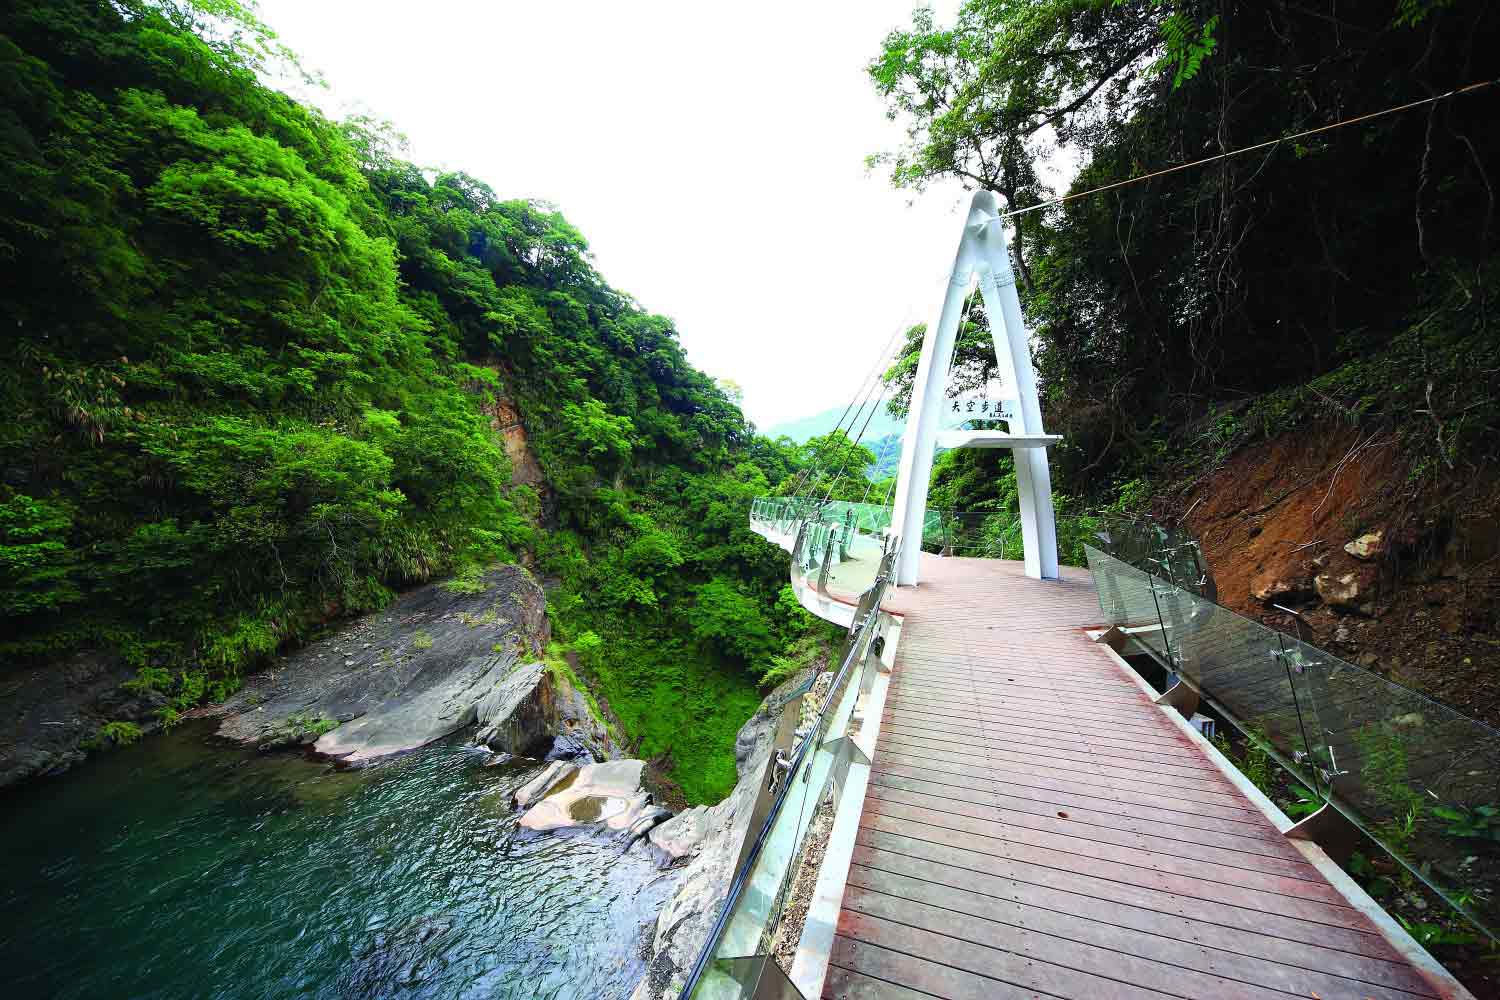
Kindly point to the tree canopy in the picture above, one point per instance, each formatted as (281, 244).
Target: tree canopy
(1340, 257)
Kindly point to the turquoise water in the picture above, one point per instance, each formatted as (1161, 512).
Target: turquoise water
(179, 869)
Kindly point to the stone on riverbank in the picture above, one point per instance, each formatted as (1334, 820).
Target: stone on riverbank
(611, 794)
(554, 773)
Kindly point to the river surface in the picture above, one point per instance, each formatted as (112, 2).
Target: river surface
(176, 868)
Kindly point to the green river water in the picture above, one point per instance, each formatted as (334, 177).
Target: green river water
(176, 868)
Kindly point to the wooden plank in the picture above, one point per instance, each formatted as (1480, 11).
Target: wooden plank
(844, 984)
(1082, 752)
(1104, 765)
(1115, 953)
(884, 974)
(1238, 914)
(1304, 951)
(1065, 833)
(1165, 746)
(1088, 808)
(1034, 826)
(1001, 776)
(995, 964)
(1106, 779)
(1008, 736)
(1132, 714)
(972, 852)
(1092, 825)
(982, 716)
(1124, 863)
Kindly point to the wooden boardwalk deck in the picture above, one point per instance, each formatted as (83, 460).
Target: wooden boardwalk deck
(1035, 827)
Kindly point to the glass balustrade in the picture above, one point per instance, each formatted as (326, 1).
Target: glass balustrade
(1421, 779)
(739, 960)
(863, 529)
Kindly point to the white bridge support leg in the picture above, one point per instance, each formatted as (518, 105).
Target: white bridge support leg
(981, 250)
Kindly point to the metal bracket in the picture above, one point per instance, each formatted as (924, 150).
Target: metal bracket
(827, 562)
(1114, 637)
(1331, 830)
(1181, 696)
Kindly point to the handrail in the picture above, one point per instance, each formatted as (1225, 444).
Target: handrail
(810, 535)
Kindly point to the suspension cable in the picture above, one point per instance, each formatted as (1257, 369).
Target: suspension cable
(1249, 149)
(812, 474)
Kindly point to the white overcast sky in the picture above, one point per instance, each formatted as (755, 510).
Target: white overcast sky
(713, 155)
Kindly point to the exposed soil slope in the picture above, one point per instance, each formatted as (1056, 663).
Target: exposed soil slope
(1417, 598)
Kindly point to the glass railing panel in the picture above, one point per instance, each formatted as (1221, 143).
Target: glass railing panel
(751, 976)
(753, 923)
(983, 535)
(739, 965)
(1417, 776)
(1421, 779)
(1126, 597)
(1170, 553)
(1237, 665)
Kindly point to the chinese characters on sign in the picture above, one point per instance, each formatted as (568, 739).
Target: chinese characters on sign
(979, 408)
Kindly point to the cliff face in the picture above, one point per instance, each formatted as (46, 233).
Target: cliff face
(398, 678)
(1326, 523)
(436, 660)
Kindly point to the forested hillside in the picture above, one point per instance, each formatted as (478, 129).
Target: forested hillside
(253, 381)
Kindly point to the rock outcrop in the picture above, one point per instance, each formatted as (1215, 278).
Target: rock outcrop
(399, 679)
(52, 715)
(611, 795)
(682, 835)
(552, 774)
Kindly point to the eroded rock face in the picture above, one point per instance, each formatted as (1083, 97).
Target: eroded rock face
(515, 716)
(401, 678)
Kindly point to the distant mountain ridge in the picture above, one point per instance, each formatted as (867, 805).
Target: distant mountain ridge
(805, 428)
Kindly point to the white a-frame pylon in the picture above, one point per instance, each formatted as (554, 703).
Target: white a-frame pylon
(981, 251)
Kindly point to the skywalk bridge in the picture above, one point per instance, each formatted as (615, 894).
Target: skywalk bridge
(991, 801)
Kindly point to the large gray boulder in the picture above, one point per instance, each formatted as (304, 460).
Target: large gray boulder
(399, 679)
(551, 776)
(682, 835)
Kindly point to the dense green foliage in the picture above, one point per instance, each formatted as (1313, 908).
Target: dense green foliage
(251, 378)
(1347, 274)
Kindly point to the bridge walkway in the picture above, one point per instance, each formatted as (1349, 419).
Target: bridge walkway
(1035, 826)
